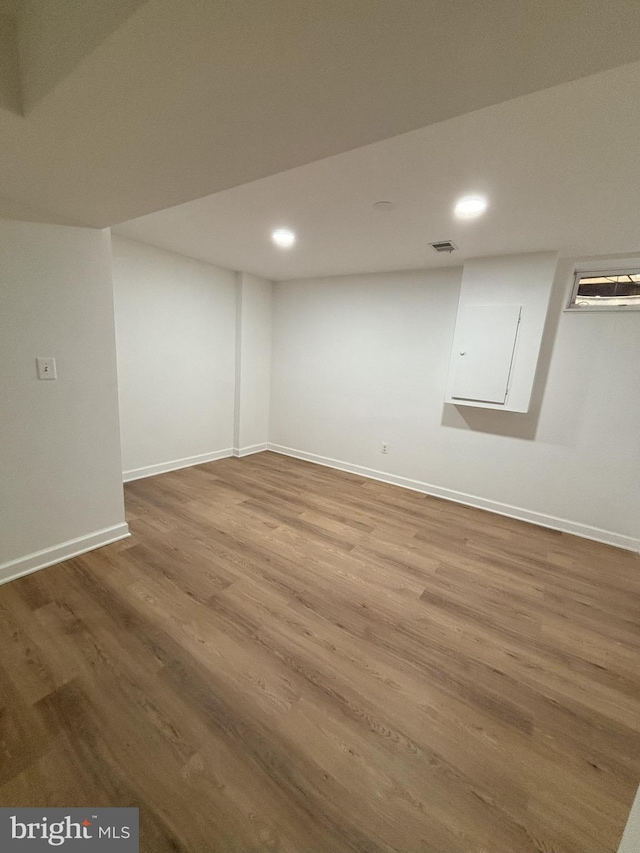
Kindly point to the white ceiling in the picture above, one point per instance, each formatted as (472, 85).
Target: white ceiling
(131, 106)
(560, 168)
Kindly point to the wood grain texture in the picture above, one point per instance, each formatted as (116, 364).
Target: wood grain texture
(288, 658)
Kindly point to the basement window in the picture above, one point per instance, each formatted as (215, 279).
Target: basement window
(614, 290)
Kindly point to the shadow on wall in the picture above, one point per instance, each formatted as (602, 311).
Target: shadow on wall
(515, 424)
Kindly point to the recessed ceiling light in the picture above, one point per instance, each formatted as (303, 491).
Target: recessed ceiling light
(283, 237)
(470, 206)
(383, 206)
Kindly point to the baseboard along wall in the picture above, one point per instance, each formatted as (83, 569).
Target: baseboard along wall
(564, 525)
(74, 547)
(176, 464)
(188, 461)
(252, 448)
(58, 553)
(541, 519)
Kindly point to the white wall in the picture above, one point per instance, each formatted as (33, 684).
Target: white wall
(175, 329)
(253, 363)
(60, 472)
(363, 359)
(630, 842)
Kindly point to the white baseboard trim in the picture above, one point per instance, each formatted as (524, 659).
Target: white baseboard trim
(49, 556)
(251, 448)
(562, 524)
(175, 465)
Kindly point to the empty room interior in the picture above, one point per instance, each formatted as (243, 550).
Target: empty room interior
(319, 411)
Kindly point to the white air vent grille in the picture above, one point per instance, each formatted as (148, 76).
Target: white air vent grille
(444, 246)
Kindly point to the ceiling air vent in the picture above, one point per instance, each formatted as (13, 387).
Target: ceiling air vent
(444, 246)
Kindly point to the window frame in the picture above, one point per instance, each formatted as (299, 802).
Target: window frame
(586, 272)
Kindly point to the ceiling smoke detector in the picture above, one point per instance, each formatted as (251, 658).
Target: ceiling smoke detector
(444, 246)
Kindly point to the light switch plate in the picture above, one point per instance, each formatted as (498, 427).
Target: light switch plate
(46, 368)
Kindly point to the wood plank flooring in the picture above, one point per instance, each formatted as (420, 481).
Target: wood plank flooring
(288, 658)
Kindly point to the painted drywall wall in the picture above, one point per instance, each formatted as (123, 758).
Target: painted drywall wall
(359, 360)
(175, 329)
(253, 363)
(630, 842)
(60, 470)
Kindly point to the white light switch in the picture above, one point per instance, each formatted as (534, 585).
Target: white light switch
(46, 368)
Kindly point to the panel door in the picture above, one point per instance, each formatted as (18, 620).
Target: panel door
(484, 346)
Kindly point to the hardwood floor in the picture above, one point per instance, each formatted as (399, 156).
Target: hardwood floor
(288, 658)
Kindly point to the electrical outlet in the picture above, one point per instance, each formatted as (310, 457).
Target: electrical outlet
(384, 447)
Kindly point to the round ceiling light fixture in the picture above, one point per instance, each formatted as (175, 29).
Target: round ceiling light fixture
(470, 206)
(284, 238)
(383, 206)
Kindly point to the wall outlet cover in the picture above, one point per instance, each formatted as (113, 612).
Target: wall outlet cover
(46, 368)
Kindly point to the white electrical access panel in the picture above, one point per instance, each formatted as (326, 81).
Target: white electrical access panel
(498, 333)
(481, 363)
